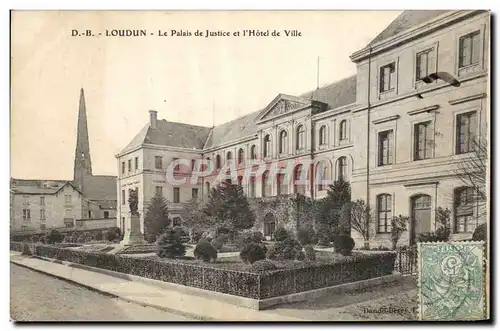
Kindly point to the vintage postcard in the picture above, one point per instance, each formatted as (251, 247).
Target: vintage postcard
(250, 165)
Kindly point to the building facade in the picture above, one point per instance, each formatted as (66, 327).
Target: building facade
(397, 131)
(45, 204)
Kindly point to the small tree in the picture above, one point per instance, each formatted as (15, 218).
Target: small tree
(195, 218)
(443, 230)
(156, 219)
(360, 217)
(169, 244)
(398, 226)
(229, 206)
(328, 210)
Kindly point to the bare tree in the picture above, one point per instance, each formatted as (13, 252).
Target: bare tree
(360, 218)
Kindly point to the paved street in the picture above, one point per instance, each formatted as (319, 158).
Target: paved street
(38, 297)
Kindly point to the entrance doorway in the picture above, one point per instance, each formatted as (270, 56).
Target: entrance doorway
(269, 225)
(420, 216)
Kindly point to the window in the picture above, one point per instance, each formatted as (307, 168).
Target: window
(26, 214)
(194, 193)
(423, 141)
(129, 166)
(385, 148)
(283, 142)
(387, 77)
(229, 156)
(24, 228)
(253, 152)
(106, 214)
(42, 201)
(322, 135)
(67, 199)
(193, 163)
(42, 214)
(469, 47)
(207, 187)
(266, 185)
(267, 146)
(269, 225)
(281, 184)
(217, 162)
(299, 184)
(42, 227)
(158, 162)
(68, 222)
(322, 175)
(301, 138)
(90, 213)
(251, 183)
(464, 210)
(136, 163)
(342, 168)
(123, 197)
(466, 131)
(343, 130)
(177, 166)
(176, 221)
(425, 64)
(159, 190)
(384, 210)
(123, 168)
(177, 195)
(26, 200)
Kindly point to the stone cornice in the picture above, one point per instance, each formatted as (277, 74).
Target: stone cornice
(386, 119)
(468, 98)
(413, 33)
(423, 110)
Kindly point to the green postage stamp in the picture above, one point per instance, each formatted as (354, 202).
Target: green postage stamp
(451, 281)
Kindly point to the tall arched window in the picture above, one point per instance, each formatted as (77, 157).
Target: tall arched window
(342, 168)
(229, 156)
(301, 138)
(251, 188)
(299, 180)
(322, 175)
(322, 135)
(420, 216)
(267, 146)
(464, 210)
(343, 130)
(217, 162)
(283, 142)
(207, 188)
(266, 184)
(240, 180)
(241, 156)
(384, 213)
(253, 152)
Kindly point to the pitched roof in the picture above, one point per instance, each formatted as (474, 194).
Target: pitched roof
(172, 134)
(38, 186)
(335, 95)
(99, 187)
(405, 21)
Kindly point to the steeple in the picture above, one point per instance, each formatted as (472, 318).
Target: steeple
(83, 163)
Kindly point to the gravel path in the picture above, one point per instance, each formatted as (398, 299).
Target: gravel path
(38, 297)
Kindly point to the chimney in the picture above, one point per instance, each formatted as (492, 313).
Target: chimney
(153, 118)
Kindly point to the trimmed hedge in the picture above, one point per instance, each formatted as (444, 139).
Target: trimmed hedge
(256, 285)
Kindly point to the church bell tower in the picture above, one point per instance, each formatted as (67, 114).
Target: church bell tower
(83, 163)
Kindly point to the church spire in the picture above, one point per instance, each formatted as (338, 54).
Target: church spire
(83, 163)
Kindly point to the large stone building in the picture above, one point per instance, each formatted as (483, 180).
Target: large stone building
(397, 131)
(87, 201)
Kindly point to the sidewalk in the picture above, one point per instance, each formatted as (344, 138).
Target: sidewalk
(195, 307)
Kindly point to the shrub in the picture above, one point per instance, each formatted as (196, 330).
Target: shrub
(217, 243)
(205, 251)
(300, 256)
(324, 237)
(398, 226)
(310, 253)
(288, 249)
(281, 234)
(97, 236)
(253, 252)
(169, 245)
(343, 244)
(81, 239)
(53, 237)
(257, 237)
(104, 234)
(262, 265)
(111, 236)
(427, 237)
(150, 238)
(246, 238)
(443, 220)
(34, 239)
(480, 233)
(307, 236)
(42, 239)
(26, 250)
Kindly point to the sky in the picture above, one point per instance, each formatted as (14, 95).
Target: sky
(190, 79)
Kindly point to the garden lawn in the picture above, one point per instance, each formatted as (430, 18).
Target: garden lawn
(235, 263)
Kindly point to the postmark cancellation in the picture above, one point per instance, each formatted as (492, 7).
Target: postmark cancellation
(451, 281)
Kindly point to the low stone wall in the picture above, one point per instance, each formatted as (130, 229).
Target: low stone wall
(239, 283)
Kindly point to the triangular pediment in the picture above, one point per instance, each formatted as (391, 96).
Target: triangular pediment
(282, 104)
